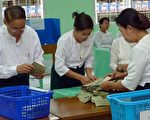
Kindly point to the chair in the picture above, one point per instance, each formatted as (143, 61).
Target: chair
(101, 62)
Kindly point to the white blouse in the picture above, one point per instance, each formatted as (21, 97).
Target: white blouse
(139, 66)
(70, 53)
(102, 39)
(120, 52)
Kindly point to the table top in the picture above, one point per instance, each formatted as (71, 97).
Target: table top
(50, 117)
(69, 108)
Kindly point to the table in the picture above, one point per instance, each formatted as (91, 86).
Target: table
(47, 118)
(50, 117)
(72, 108)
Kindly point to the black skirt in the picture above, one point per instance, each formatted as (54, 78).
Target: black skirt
(20, 79)
(58, 82)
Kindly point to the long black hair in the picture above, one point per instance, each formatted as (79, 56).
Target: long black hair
(132, 17)
(82, 21)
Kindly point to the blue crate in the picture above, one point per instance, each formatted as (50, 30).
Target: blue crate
(128, 105)
(23, 103)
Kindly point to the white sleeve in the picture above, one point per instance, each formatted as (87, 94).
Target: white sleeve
(114, 55)
(136, 68)
(60, 56)
(111, 38)
(7, 71)
(89, 60)
(96, 39)
(38, 51)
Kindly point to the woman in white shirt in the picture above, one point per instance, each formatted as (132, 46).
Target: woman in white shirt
(120, 54)
(74, 54)
(133, 27)
(103, 38)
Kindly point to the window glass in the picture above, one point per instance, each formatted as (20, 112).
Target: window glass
(33, 8)
(108, 8)
(111, 8)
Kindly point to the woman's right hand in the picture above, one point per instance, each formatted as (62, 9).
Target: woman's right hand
(118, 75)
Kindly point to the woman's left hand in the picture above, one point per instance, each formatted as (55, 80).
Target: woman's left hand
(92, 77)
(122, 67)
(118, 75)
(113, 86)
(39, 75)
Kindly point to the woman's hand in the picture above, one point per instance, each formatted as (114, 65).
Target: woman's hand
(39, 75)
(89, 74)
(113, 86)
(107, 86)
(118, 75)
(122, 67)
(92, 77)
(85, 80)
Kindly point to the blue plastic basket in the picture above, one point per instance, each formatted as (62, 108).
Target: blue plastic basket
(128, 105)
(22, 103)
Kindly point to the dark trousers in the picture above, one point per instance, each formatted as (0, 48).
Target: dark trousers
(58, 82)
(20, 79)
(147, 86)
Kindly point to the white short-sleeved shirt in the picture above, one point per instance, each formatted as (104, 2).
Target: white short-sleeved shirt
(139, 66)
(70, 53)
(12, 54)
(120, 52)
(102, 39)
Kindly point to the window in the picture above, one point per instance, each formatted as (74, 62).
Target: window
(143, 6)
(108, 8)
(111, 8)
(33, 8)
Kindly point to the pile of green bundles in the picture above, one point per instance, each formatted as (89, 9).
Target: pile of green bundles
(92, 92)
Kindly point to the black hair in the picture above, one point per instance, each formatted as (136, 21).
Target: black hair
(82, 21)
(132, 17)
(13, 13)
(102, 20)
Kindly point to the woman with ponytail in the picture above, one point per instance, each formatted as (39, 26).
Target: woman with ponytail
(133, 25)
(73, 55)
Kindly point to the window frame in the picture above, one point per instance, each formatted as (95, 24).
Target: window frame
(28, 5)
(124, 4)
